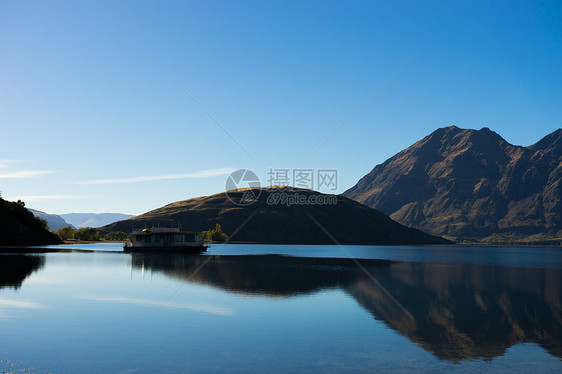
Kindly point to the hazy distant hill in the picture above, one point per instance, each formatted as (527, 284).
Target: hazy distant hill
(18, 226)
(54, 221)
(347, 221)
(463, 183)
(93, 219)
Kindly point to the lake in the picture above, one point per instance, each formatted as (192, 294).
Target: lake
(291, 309)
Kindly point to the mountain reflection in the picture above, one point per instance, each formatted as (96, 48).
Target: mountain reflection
(15, 268)
(456, 312)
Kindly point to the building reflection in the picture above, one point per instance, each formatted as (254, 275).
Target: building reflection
(456, 312)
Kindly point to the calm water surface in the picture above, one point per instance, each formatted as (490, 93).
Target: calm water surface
(429, 309)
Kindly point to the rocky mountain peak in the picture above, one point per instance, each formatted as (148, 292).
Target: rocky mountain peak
(471, 184)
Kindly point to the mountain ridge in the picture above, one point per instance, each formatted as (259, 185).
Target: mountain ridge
(54, 221)
(471, 184)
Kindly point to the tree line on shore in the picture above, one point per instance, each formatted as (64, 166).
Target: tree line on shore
(88, 234)
(91, 234)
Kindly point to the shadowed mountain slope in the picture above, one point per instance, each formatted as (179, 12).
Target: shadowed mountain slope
(263, 221)
(471, 184)
(18, 226)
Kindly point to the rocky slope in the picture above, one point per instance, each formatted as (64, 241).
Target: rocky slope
(471, 184)
(346, 221)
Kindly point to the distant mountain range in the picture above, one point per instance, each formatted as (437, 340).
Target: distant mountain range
(54, 221)
(471, 184)
(346, 221)
(78, 220)
(93, 219)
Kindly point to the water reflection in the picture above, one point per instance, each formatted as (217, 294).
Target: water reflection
(456, 312)
(15, 268)
(469, 311)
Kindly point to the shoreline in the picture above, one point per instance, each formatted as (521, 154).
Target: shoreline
(38, 248)
(92, 241)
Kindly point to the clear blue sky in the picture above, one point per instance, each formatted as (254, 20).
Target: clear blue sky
(82, 99)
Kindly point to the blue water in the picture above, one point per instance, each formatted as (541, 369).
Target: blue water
(547, 257)
(429, 309)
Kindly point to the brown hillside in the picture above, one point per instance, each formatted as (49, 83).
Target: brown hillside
(347, 221)
(471, 184)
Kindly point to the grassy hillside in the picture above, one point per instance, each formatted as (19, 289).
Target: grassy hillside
(346, 221)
